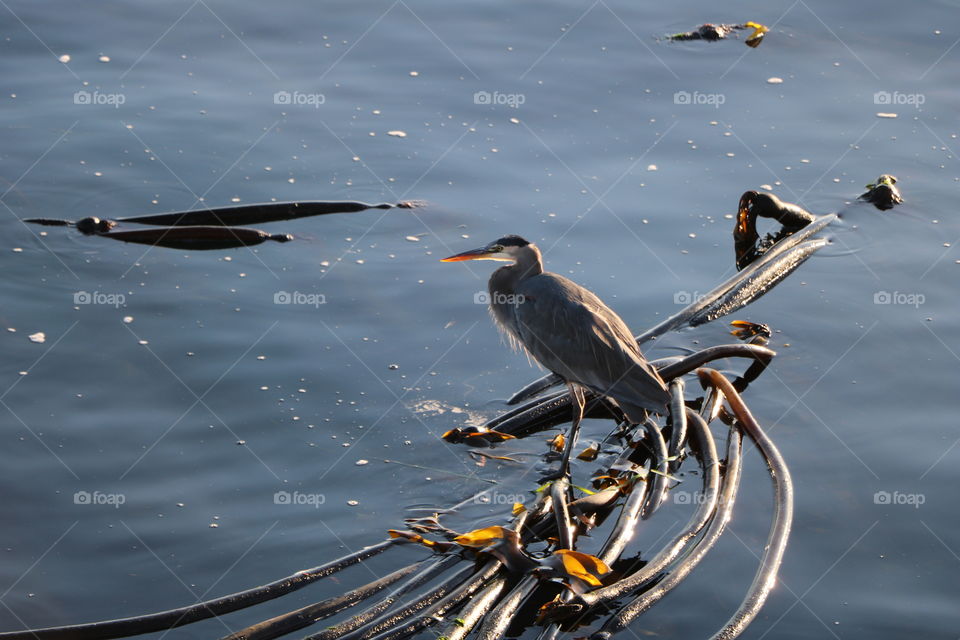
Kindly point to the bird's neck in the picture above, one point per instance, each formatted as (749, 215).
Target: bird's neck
(505, 279)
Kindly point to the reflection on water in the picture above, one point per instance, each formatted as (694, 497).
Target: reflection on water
(214, 397)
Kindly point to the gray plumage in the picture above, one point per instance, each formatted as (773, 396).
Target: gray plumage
(570, 331)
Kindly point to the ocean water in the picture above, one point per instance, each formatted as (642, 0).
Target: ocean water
(151, 443)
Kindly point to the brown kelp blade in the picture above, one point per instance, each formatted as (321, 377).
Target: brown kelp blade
(197, 238)
(259, 213)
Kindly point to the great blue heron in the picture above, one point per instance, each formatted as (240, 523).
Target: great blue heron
(569, 331)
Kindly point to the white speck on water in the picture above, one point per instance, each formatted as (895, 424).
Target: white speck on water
(886, 115)
(127, 319)
(103, 58)
(651, 167)
(353, 503)
(767, 187)
(40, 337)
(65, 58)
(17, 250)
(412, 239)
(414, 74)
(143, 342)
(774, 80)
(261, 357)
(396, 133)
(361, 462)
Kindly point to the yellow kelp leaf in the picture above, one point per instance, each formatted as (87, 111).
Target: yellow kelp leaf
(412, 537)
(746, 329)
(582, 565)
(758, 32)
(518, 508)
(590, 453)
(557, 442)
(481, 537)
(496, 436)
(475, 436)
(546, 608)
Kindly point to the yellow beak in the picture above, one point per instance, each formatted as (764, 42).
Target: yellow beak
(473, 254)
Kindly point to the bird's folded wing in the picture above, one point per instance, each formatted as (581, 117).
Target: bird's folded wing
(573, 333)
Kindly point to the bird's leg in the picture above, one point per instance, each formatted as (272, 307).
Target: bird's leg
(578, 401)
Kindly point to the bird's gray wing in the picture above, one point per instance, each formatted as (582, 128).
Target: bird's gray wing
(570, 331)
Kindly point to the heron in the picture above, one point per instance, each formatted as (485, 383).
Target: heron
(567, 329)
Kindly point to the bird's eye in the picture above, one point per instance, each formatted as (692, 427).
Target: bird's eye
(497, 248)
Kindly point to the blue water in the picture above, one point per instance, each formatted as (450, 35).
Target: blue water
(581, 109)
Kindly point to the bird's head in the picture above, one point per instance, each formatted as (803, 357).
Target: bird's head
(505, 249)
